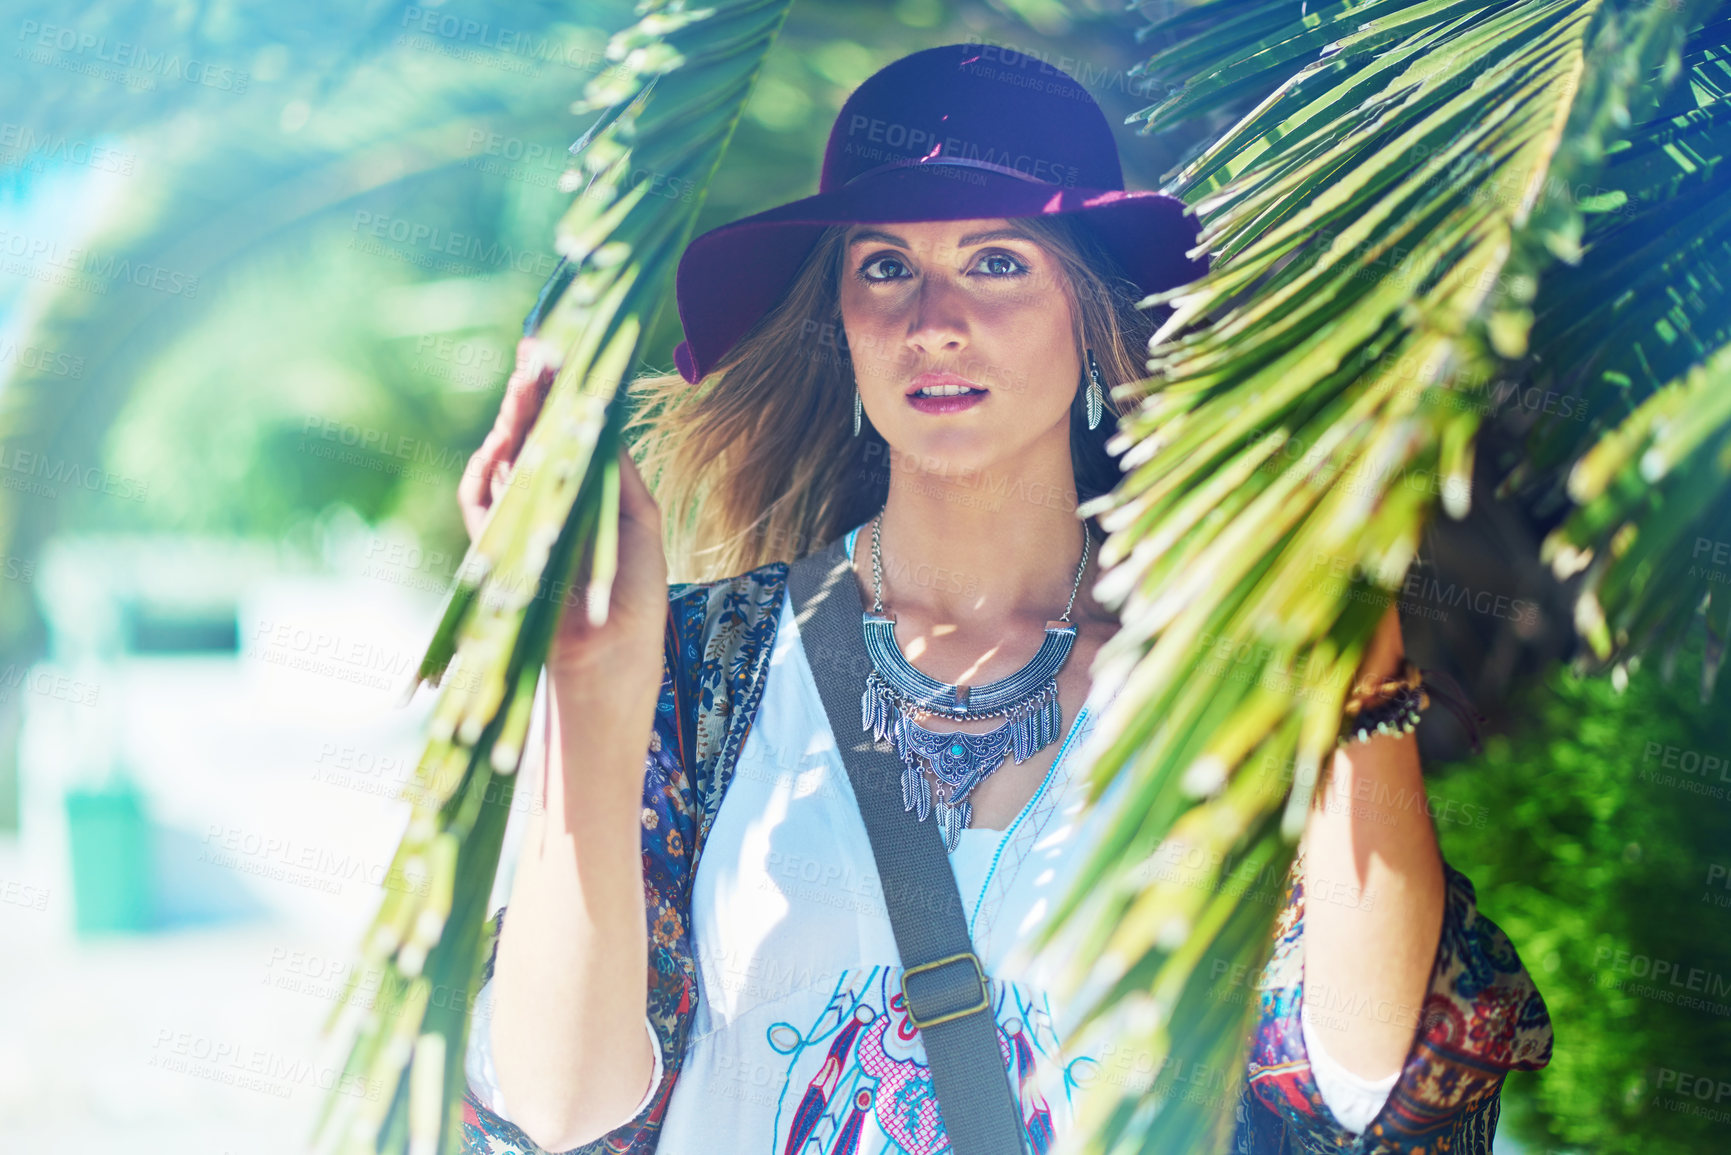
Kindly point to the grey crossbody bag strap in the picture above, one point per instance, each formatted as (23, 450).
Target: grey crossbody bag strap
(943, 982)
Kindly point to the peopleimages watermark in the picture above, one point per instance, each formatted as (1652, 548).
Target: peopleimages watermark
(317, 650)
(1420, 596)
(252, 1068)
(1327, 1008)
(409, 565)
(37, 359)
(1718, 892)
(1717, 554)
(1135, 1070)
(1357, 474)
(393, 776)
(17, 569)
(472, 365)
(1695, 771)
(1373, 800)
(1471, 385)
(761, 976)
(379, 989)
(27, 471)
(15, 893)
(95, 55)
(1186, 864)
(47, 683)
(1033, 70)
(387, 451)
(873, 138)
(363, 993)
(299, 864)
(830, 884)
(444, 458)
(1664, 980)
(44, 258)
(374, 988)
(512, 49)
(1688, 1093)
(427, 245)
(1091, 76)
(534, 163)
(24, 147)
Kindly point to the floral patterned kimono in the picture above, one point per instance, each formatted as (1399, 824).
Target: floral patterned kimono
(1481, 1018)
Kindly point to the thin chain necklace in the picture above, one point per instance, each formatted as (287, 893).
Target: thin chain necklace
(894, 691)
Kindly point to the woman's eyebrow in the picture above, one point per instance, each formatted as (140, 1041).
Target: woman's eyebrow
(970, 239)
(993, 235)
(877, 235)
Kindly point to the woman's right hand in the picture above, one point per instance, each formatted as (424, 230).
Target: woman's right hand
(637, 608)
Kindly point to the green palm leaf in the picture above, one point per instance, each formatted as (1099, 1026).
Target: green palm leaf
(1380, 227)
(1637, 337)
(1649, 495)
(668, 107)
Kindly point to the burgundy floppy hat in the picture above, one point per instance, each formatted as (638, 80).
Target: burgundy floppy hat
(953, 133)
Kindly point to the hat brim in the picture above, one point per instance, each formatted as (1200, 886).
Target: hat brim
(732, 276)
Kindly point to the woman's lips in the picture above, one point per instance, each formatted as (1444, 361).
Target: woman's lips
(954, 403)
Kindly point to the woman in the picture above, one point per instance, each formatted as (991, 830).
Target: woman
(919, 358)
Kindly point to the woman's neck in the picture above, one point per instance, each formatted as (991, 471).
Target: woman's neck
(981, 554)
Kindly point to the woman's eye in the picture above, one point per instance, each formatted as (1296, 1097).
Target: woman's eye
(891, 268)
(877, 262)
(1002, 265)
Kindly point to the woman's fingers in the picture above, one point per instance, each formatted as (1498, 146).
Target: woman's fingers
(487, 474)
(525, 392)
(473, 493)
(635, 500)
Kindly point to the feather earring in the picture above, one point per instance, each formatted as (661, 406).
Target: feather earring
(1096, 397)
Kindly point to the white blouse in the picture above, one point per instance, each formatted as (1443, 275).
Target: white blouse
(800, 1043)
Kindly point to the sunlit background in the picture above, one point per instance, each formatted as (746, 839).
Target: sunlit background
(264, 267)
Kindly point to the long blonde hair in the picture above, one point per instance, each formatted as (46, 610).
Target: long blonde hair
(757, 462)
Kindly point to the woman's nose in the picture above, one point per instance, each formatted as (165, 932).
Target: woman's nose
(939, 323)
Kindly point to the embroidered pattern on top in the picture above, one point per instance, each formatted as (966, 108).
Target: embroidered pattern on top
(872, 1089)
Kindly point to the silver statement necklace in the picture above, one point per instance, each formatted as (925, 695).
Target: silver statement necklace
(894, 691)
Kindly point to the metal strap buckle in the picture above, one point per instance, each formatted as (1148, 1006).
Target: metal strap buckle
(965, 956)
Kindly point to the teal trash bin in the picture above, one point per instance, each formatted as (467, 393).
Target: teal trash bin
(112, 877)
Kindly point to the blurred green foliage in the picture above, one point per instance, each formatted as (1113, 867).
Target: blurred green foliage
(1606, 857)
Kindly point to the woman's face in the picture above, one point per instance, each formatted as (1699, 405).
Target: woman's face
(978, 301)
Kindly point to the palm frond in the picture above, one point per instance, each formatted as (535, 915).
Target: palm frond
(1635, 339)
(1653, 523)
(1380, 227)
(668, 107)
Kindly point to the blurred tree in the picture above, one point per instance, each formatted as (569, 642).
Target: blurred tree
(1598, 834)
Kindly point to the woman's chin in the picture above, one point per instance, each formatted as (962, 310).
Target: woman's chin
(927, 447)
(957, 456)
(958, 445)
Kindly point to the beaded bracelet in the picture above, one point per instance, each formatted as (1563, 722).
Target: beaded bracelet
(1392, 705)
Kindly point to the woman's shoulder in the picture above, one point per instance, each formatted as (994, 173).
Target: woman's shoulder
(765, 575)
(714, 620)
(720, 635)
(771, 575)
(703, 604)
